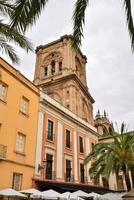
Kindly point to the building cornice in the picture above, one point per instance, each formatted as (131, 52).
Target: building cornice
(18, 163)
(65, 78)
(58, 41)
(18, 76)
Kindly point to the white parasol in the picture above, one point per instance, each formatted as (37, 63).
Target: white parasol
(11, 193)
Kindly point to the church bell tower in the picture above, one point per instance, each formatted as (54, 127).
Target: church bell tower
(60, 72)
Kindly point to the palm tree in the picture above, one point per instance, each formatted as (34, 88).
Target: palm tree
(79, 21)
(10, 34)
(27, 12)
(113, 156)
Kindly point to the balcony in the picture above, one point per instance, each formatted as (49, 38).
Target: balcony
(84, 180)
(68, 145)
(3, 151)
(50, 175)
(69, 178)
(50, 137)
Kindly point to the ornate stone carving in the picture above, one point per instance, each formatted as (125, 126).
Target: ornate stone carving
(67, 84)
(56, 56)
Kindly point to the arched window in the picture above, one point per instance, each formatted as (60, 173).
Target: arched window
(60, 66)
(52, 67)
(45, 71)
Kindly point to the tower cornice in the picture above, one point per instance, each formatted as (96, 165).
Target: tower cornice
(41, 47)
(66, 78)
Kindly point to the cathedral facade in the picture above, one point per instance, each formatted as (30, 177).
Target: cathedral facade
(60, 72)
(66, 132)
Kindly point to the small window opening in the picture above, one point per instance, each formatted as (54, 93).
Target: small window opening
(52, 67)
(60, 66)
(45, 71)
(67, 105)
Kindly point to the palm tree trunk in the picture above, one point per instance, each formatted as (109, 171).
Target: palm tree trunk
(127, 180)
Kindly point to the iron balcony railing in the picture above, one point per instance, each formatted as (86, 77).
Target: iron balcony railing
(50, 137)
(68, 178)
(69, 145)
(3, 151)
(50, 175)
(84, 179)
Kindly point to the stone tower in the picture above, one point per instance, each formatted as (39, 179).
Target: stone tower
(102, 123)
(60, 72)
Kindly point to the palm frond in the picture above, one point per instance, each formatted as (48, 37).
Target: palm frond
(88, 158)
(123, 128)
(13, 35)
(8, 50)
(79, 21)
(127, 5)
(113, 156)
(108, 166)
(6, 8)
(26, 13)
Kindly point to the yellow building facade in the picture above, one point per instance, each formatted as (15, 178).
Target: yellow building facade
(19, 100)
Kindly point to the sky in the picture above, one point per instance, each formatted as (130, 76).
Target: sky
(106, 43)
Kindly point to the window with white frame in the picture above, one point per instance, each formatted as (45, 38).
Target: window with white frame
(50, 134)
(81, 146)
(68, 138)
(16, 181)
(3, 91)
(24, 106)
(20, 143)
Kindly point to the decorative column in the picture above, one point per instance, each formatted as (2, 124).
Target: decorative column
(56, 67)
(87, 152)
(60, 151)
(75, 158)
(49, 70)
(39, 143)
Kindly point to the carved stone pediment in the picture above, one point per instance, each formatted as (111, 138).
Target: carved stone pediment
(54, 55)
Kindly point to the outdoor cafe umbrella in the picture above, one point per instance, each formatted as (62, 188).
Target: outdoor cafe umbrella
(30, 191)
(50, 194)
(80, 193)
(11, 193)
(96, 196)
(71, 196)
(65, 195)
(111, 196)
(36, 195)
